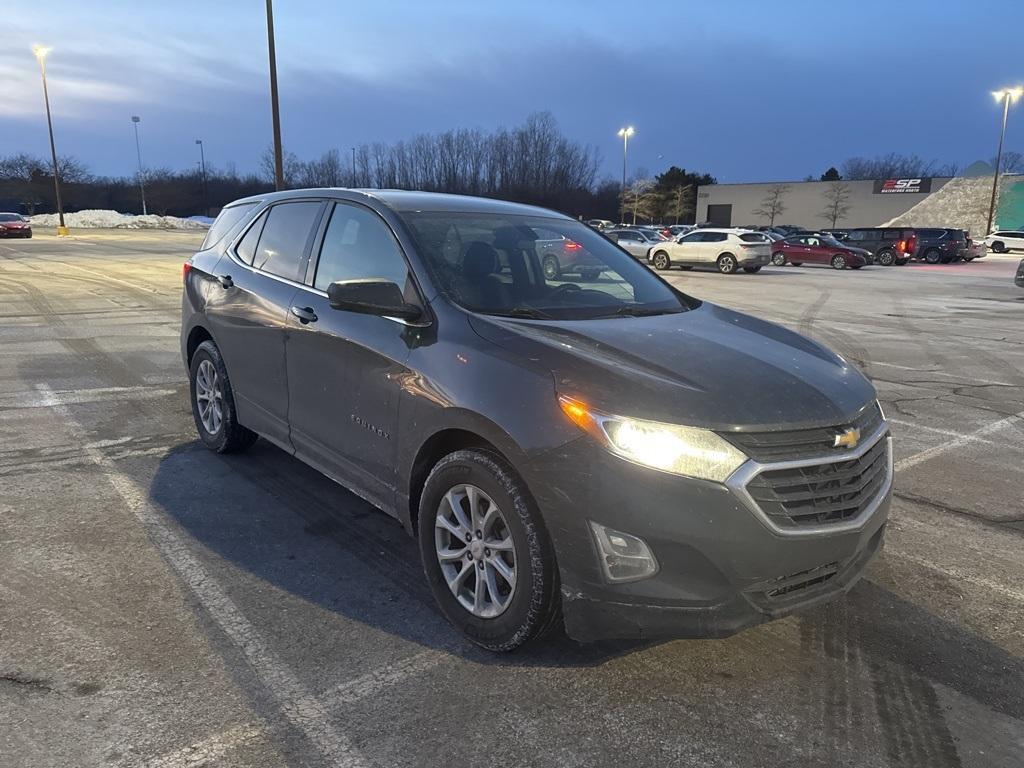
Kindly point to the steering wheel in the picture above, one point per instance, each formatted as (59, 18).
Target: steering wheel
(564, 288)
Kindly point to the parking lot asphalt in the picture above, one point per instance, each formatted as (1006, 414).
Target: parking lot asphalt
(164, 606)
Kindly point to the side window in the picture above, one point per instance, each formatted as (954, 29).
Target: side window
(694, 237)
(225, 221)
(359, 246)
(283, 239)
(891, 234)
(856, 236)
(246, 247)
(813, 241)
(715, 237)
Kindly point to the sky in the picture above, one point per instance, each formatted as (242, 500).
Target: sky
(748, 91)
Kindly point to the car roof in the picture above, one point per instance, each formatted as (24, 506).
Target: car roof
(407, 200)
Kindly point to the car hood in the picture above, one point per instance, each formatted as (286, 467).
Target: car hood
(708, 367)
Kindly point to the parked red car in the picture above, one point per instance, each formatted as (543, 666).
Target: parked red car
(815, 249)
(13, 225)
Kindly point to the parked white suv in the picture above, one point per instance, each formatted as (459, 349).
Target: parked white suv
(725, 249)
(1005, 240)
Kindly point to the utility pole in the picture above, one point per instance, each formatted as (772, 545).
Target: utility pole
(275, 111)
(40, 53)
(138, 155)
(202, 171)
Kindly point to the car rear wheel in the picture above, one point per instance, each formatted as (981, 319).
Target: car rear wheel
(662, 261)
(779, 259)
(932, 256)
(726, 263)
(486, 555)
(838, 262)
(886, 258)
(551, 268)
(213, 403)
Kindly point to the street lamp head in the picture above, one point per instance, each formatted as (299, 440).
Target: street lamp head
(1008, 93)
(199, 141)
(40, 51)
(136, 119)
(626, 132)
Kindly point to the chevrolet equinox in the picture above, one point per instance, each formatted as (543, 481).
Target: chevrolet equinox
(599, 452)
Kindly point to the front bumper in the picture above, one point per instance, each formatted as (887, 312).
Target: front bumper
(721, 567)
(22, 232)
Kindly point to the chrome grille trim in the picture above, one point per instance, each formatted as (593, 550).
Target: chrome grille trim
(739, 479)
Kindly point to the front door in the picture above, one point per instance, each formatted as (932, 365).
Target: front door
(247, 313)
(346, 370)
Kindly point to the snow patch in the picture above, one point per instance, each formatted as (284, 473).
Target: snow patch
(962, 204)
(100, 219)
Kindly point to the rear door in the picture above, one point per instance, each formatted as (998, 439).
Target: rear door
(712, 246)
(346, 370)
(259, 276)
(816, 252)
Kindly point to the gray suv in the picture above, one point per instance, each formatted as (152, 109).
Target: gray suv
(609, 455)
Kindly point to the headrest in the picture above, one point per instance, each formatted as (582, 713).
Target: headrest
(480, 260)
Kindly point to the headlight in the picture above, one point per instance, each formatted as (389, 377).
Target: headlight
(688, 451)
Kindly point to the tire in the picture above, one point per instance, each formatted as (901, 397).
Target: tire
(932, 256)
(779, 259)
(551, 268)
(661, 261)
(532, 607)
(856, 266)
(797, 263)
(968, 259)
(901, 262)
(220, 432)
(726, 263)
(886, 258)
(999, 246)
(751, 270)
(590, 274)
(838, 262)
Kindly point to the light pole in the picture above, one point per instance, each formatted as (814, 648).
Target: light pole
(202, 169)
(138, 155)
(1006, 95)
(275, 111)
(40, 53)
(625, 133)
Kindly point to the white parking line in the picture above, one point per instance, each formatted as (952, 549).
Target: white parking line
(206, 752)
(305, 712)
(943, 373)
(955, 573)
(937, 450)
(374, 682)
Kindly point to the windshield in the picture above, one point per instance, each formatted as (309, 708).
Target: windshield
(534, 267)
(10, 217)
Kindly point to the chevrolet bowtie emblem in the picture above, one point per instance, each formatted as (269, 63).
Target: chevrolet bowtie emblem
(848, 439)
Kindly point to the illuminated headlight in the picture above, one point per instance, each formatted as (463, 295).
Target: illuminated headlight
(688, 451)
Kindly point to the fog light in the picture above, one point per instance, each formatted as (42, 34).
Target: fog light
(623, 557)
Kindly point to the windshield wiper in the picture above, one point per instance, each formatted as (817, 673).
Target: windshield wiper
(631, 310)
(527, 312)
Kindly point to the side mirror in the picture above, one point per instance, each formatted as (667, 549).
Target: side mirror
(371, 297)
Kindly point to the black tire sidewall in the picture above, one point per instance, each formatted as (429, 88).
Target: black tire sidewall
(536, 596)
(231, 436)
(842, 262)
(660, 257)
(551, 265)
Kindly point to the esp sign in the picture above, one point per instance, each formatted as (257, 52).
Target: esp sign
(902, 186)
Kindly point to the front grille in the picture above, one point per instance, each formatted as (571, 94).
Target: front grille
(801, 443)
(826, 493)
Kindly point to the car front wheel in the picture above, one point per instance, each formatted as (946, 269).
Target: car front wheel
(838, 262)
(213, 403)
(486, 555)
(779, 259)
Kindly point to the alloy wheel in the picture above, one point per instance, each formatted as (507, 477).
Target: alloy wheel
(474, 547)
(209, 397)
(779, 259)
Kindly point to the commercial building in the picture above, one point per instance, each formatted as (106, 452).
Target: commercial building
(809, 203)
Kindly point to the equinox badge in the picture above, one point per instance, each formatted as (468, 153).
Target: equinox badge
(848, 439)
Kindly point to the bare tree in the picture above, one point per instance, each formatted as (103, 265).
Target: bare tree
(1013, 162)
(681, 202)
(639, 198)
(895, 166)
(837, 202)
(772, 204)
(292, 167)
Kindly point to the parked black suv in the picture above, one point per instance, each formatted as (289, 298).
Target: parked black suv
(941, 246)
(611, 454)
(888, 246)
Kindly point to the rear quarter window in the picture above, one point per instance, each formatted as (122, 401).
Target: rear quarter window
(225, 222)
(754, 237)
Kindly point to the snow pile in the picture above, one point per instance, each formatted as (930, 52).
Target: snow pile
(961, 204)
(99, 219)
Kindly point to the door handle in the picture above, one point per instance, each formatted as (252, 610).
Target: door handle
(305, 314)
(225, 281)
